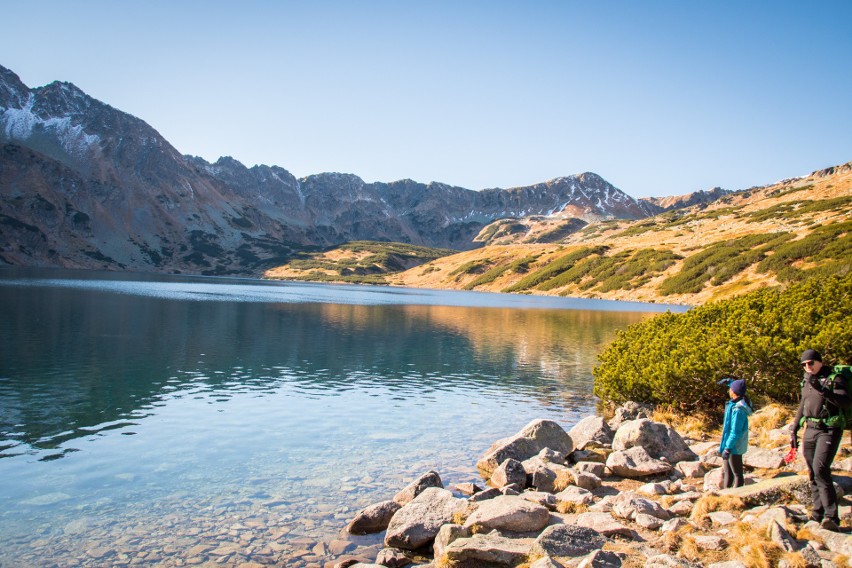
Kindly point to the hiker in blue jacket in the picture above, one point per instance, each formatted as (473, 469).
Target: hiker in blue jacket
(735, 434)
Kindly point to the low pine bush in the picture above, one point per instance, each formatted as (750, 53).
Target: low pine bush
(676, 359)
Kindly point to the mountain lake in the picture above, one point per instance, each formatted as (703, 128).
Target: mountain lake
(173, 420)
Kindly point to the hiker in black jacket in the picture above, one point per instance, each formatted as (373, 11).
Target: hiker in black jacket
(821, 399)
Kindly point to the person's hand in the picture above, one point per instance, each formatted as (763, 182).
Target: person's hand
(814, 382)
(794, 440)
(726, 454)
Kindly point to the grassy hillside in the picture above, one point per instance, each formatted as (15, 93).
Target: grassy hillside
(760, 237)
(747, 240)
(363, 262)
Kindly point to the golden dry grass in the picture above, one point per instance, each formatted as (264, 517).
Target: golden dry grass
(568, 508)
(696, 426)
(711, 503)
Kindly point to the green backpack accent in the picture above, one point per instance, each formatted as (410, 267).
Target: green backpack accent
(844, 418)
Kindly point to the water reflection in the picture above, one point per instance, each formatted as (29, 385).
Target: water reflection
(158, 421)
(74, 361)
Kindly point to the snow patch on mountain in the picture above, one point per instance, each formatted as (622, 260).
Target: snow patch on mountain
(22, 123)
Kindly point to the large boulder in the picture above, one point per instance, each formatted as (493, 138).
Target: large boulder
(509, 513)
(659, 440)
(629, 411)
(491, 549)
(509, 472)
(575, 495)
(374, 518)
(592, 431)
(772, 491)
(604, 524)
(418, 522)
(416, 487)
(761, 458)
(531, 440)
(447, 534)
(635, 463)
(566, 540)
(628, 505)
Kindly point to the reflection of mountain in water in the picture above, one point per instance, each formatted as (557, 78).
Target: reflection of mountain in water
(73, 361)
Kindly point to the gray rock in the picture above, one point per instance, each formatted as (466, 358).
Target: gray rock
(771, 491)
(659, 440)
(374, 518)
(710, 542)
(604, 524)
(628, 504)
(674, 525)
(533, 438)
(839, 543)
(629, 411)
(780, 536)
(566, 540)
(602, 559)
(721, 518)
(586, 480)
(552, 456)
(635, 462)
(763, 459)
(486, 550)
(418, 522)
(682, 508)
(467, 488)
(509, 472)
(489, 493)
(392, 558)
(811, 556)
(509, 513)
(691, 470)
(652, 489)
(596, 468)
(545, 562)
(591, 431)
(447, 535)
(542, 476)
(576, 495)
(713, 480)
(728, 564)
(669, 561)
(648, 522)
(416, 487)
(548, 500)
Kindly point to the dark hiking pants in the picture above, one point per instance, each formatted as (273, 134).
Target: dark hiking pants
(732, 472)
(819, 448)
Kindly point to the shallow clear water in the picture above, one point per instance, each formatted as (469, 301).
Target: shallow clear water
(141, 416)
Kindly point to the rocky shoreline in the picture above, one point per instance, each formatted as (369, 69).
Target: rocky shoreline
(629, 492)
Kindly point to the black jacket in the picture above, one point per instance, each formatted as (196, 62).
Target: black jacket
(818, 401)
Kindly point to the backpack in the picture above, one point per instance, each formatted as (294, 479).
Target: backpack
(843, 418)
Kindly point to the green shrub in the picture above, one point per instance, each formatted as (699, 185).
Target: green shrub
(491, 275)
(831, 243)
(676, 359)
(720, 262)
(554, 268)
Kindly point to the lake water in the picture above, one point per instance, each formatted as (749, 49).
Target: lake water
(171, 421)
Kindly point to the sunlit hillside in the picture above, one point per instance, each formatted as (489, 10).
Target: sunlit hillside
(764, 236)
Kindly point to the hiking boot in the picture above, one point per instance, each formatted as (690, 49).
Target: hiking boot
(814, 517)
(829, 525)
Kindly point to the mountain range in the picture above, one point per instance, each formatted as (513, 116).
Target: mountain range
(84, 185)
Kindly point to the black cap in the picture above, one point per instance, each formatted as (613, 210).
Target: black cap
(810, 355)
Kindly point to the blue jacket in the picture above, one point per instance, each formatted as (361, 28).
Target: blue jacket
(735, 427)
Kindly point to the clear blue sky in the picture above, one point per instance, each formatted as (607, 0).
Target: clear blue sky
(660, 98)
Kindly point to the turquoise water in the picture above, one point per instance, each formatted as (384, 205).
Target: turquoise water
(150, 414)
